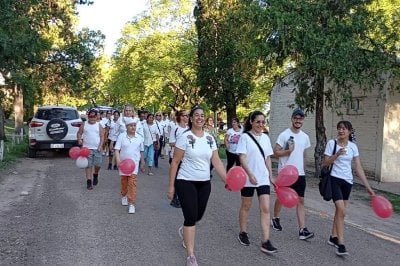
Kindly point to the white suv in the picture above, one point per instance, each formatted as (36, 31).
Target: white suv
(53, 127)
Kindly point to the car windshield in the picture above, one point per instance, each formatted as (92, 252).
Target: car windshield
(65, 114)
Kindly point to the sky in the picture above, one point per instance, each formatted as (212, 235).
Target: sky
(109, 16)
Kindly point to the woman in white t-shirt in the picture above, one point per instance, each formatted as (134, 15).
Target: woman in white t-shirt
(195, 149)
(342, 179)
(231, 140)
(254, 149)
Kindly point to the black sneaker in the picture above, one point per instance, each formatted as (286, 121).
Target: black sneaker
(305, 234)
(268, 248)
(243, 238)
(276, 225)
(333, 241)
(175, 203)
(115, 167)
(95, 179)
(89, 184)
(109, 167)
(341, 251)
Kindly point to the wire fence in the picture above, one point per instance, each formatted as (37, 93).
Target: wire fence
(9, 145)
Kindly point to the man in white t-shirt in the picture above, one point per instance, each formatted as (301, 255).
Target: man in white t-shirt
(290, 148)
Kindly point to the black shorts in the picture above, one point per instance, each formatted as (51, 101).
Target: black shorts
(340, 189)
(249, 191)
(300, 186)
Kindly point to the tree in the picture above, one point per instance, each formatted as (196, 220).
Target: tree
(340, 42)
(229, 53)
(155, 62)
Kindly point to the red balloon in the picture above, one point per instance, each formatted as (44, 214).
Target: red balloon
(236, 178)
(84, 152)
(287, 196)
(287, 176)
(74, 152)
(382, 206)
(127, 166)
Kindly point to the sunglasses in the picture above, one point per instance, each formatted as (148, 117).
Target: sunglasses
(185, 115)
(260, 122)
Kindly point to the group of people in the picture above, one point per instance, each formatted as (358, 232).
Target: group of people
(192, 146)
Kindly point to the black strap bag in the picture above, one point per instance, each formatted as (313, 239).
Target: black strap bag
(325, 185)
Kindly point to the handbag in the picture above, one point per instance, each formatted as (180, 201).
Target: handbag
(325, 185)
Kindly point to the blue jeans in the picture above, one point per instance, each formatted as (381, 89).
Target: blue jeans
(149, 155)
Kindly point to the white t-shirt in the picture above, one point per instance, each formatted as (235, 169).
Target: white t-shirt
(130, 148)
(112, 134)
(233, 139)
(150, 132)
(296, 157)
(91, 135)
(255, 159)
(342, 165)
(160, 127)
(197, 158)
(174, 135)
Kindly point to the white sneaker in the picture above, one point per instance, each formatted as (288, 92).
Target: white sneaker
(124, 201)
(131, 208)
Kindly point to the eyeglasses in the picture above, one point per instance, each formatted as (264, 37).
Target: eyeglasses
(260, 122)
(185, 115)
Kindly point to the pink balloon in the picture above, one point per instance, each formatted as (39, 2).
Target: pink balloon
(382, 206)
(74, 152)
(127, 166)
(287, 196)
(236, 178)
(84, 152)
(287, 176)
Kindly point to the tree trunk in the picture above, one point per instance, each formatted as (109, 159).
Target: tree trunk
(230, 113)
(18, 109)
(2, 129)
(319, 125)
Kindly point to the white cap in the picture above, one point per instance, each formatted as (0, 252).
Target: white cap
(129, 120)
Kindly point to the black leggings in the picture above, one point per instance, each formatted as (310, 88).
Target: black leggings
(232, 158)
(193, 196)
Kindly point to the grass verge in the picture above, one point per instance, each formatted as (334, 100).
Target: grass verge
(393, 198)
(13, 151)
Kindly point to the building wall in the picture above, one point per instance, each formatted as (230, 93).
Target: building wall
(367, 122)
(391, 139)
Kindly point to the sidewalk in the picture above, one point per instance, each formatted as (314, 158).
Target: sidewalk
(392, 187)
(359, 212)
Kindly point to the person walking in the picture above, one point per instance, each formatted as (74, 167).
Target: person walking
(195, 149)
(290, 148)
(91, 136)
(342, 179)
(129, 145)
(231, 140)
(175, 132)
(161, 133)
(112, 138)
(151, 141)
(254, 149)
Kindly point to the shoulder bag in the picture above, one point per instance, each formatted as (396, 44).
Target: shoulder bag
(325, 185)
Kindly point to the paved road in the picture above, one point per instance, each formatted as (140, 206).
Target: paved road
(47, 217)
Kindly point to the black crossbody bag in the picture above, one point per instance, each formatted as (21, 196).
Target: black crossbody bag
(325, 185)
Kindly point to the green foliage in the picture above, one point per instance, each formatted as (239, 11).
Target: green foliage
(154, 66)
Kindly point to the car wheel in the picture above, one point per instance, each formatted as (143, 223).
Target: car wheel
(31, 153)
(57, 129)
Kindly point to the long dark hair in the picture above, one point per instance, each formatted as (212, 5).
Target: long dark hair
(250, 118)
(347, 125)
(194, 108)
